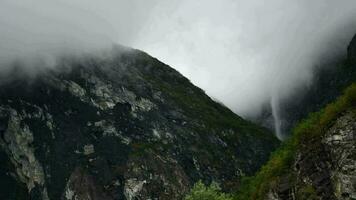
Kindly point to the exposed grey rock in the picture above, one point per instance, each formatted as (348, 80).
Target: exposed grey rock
(133, 188)
(341, 140)
(121, 127)
(327, 166)
(88, 149)
(17, 142)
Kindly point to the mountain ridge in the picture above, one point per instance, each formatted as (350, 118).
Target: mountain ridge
(122, 126)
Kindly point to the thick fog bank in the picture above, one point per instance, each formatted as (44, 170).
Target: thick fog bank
(245, 53)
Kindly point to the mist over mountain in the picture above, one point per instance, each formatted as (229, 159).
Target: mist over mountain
(207, 113)
(251, 51)
(124, 126)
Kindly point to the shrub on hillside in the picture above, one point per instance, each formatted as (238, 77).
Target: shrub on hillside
(211, 192)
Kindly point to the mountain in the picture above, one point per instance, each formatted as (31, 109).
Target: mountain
(318, 161)
(329, 81)
(121, 125)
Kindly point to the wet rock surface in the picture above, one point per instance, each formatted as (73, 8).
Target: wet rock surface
(124, 126)
(325, 168)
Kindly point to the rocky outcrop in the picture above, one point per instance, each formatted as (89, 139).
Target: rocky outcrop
(325, 168)
(17, 142)
(341, 142)
(123, 126)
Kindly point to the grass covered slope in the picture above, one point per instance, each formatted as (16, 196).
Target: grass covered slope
(205, 115)
(307, 165)
(306, 139)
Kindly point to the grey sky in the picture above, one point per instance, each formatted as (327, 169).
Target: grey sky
(241, 52)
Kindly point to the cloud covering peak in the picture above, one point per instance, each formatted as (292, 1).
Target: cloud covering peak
(242, 52)
(245, 52)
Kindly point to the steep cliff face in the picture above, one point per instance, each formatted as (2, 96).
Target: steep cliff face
(325, 168)
(120, 126)
(317, 162)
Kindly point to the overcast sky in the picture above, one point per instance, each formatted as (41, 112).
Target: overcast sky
(240, 52)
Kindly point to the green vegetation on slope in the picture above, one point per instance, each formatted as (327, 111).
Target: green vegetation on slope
(280, 163)
(211, 192)
(194, 102)
(205, 116)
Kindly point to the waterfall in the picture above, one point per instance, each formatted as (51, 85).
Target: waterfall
(276, 116)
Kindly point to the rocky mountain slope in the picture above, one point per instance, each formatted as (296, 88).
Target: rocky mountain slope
(317, 162)
(329, 81)
(118, 126)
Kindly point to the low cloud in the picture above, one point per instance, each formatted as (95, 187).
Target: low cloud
(246, 52)
(241, 52)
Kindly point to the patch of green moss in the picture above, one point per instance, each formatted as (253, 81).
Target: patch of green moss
(279, 164)
(211, 192)
(316, 123)
(197, 105)
(307, 193)
(139, 149)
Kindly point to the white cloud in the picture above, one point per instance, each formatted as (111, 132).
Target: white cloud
(240, 51)
(243, 52)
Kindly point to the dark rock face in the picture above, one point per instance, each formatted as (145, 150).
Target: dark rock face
(351, 50)
(124, 126)
(325, 168)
